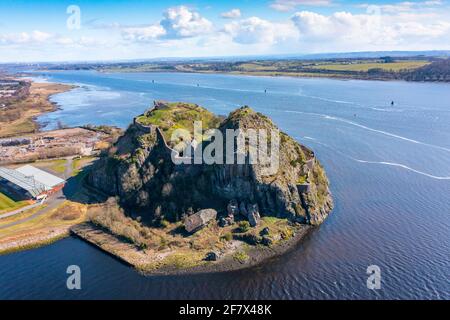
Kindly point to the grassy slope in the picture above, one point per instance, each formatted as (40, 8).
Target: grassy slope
(57, 166)
(8, 204)
(179, 116)
(41, 230)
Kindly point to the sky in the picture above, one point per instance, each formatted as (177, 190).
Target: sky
(81, 30)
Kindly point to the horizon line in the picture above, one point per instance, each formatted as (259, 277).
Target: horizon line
(280, 56)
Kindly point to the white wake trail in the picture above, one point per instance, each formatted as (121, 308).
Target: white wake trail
(370, 129)
(329, 100)
(393, 164)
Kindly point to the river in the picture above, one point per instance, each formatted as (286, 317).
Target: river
(388, 166)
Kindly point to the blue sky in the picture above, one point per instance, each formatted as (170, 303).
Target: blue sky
(107, 30)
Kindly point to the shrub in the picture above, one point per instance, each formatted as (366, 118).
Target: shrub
(164, 223)
(244, 226)
(287, 233)
(227, 236)
(241, 256)
(249, 238)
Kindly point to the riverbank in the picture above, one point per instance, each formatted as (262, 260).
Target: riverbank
(234, 254)
(39, 226)
(18, 116)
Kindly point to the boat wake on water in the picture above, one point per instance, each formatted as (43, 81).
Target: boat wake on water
(325, 116)
(392, 164)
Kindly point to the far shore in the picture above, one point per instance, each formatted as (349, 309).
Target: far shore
(301, 75)
(35, 104)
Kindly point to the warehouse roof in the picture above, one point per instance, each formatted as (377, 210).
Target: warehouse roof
(31, 179)
(42, 177)
(25, 182)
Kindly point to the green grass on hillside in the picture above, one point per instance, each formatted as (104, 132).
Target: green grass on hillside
(8, 204)
(179, 116)
(59, 165)
(365, 66)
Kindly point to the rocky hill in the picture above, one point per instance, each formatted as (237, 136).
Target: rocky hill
(140, 172)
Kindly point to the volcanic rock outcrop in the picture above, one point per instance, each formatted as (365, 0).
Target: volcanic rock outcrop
(140, 171)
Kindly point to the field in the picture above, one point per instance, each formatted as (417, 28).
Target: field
(8, 204)
(56, 166)
(382, 68)
(366, 66)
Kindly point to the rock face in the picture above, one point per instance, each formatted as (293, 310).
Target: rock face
(212, 256)
(199, 220)
(253, 215)
(139, 170)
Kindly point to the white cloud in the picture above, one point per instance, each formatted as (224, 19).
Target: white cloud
(64, 41)
(181, 22)
(33, 37)
(40, 36)
(182, 31)
(143, 34)
(178, 23)
(433, 3)
(232, 14)
(351, 32)
(257, 30)
(40, 39)
(405, 6)
(288, 5)
(90, 42)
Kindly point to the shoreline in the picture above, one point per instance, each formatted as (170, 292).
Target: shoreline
(31, 107)
(275, 74)
(60, 88)
(132, 256)
(34, 242)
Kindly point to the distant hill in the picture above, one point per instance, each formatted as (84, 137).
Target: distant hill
(437, 71)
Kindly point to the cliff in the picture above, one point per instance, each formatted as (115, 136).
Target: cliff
(140, 171)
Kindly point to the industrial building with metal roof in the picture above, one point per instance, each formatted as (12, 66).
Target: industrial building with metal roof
(29, 181)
